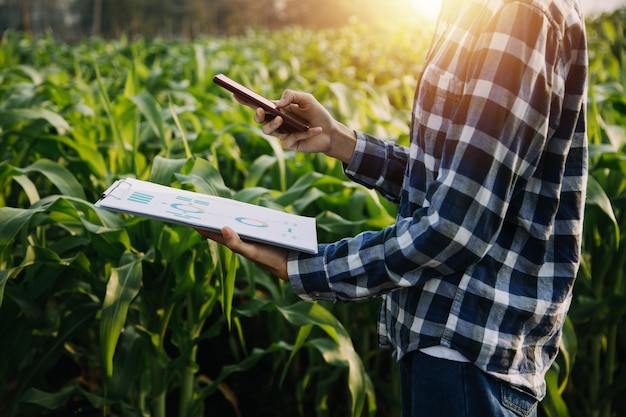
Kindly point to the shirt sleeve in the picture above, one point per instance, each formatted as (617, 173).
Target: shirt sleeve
(378, 164)
(490, 150)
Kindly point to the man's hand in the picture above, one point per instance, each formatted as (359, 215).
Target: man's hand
(326, 135)
(270, 258)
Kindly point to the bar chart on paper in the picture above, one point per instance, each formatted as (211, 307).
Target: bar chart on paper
(211, 213)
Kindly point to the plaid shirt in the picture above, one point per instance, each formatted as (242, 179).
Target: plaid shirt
(484, 253)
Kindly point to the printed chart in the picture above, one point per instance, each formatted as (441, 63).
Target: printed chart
(206, 212)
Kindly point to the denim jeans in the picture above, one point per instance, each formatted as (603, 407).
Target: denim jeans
(433, 387)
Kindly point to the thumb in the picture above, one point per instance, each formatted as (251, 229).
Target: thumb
(287, 98)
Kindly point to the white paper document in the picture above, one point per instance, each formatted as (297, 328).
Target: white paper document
(211, 213)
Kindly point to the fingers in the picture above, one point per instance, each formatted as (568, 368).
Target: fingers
(215, 236)
(290, 97)
(234, 242)
(306, 107)
(269, 126)
(290, 139)
(230, 239)
(270, 258)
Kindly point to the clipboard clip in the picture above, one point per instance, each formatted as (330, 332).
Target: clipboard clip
(117, 190)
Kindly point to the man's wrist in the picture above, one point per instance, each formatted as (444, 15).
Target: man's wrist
(307, 276)
(343, 143)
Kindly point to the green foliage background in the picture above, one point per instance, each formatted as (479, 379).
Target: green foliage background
(104, 314)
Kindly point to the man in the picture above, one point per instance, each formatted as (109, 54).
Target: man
(477, 272)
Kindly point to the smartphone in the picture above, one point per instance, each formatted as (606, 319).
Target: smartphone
(290, 122)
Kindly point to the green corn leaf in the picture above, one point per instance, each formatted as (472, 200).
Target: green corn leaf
(31, 72)
(340, 352)
(231, 264)
(58, 175)
(336, 224)
(122, 159)
(342, 94)
(250, 195)
(28, 186)
(205, 178)
(553, 404)
(597, 197)
(163, 169)
(181, 130)
(48, 400)
(279, 153)
(131, 86)
(201, 63)
(255, 356)
(567, 351)
(148, 106)
(69, 210)
(257, 170)
(302, 185)
(12, 220)
(56, 400)
(34, 256)
(130, 350)
(303, 335)
(86, 149)
(123, 286)
(330, 351)
(54, 119)
(71, 325)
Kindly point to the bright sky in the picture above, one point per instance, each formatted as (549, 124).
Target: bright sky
(427, 8)
(430, 8)
(598, 6)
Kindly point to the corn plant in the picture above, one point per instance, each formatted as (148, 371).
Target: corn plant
(134, 317)
(599, 306)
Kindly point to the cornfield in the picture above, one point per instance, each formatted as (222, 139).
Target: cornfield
(112, 315)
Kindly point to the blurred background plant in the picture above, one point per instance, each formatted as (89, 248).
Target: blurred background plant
(135, 317)
(599, 307)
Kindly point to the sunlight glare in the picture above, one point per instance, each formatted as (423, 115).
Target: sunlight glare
(427, 8)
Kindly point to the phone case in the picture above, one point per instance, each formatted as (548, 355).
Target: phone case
(260, 101)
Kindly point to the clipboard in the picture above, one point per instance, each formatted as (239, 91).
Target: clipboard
(211, 213)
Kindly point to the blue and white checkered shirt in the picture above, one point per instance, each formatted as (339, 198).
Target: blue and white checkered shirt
(484, 253)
